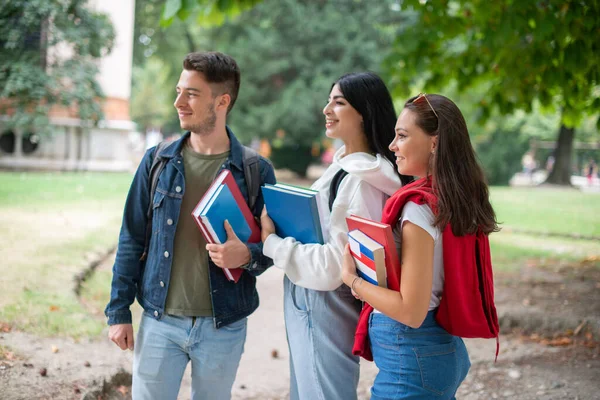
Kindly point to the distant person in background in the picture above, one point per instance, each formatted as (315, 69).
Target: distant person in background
(320, 312)
(529, 164)
(416, 357)
(591, 169)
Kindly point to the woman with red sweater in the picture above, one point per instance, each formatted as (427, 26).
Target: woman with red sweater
(447, 205)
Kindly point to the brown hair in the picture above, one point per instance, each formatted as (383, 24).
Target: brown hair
(457, 178)
(220, 70)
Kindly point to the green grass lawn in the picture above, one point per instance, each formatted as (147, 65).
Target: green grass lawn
(52, 221)
(548, 209)
(31, 189)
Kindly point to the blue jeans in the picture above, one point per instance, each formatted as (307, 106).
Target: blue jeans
(320, 331)
(422, 363)
(164, 347)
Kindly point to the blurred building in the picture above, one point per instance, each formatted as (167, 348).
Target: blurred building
(105, 147)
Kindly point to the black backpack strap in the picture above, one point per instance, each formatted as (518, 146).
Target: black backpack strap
(158, 163)
(335, 185)
(251, 161)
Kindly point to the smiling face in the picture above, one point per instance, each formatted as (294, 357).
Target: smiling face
(412, 146)
(195, 103)
(342, 121)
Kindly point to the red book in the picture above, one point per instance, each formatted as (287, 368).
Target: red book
(382, 234)
(226, 178)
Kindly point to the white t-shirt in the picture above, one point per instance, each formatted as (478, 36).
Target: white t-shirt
(422, 216)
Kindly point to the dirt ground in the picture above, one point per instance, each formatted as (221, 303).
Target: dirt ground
(550, 322)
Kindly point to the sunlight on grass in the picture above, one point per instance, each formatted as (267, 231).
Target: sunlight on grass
(44, 189)
(547, 209)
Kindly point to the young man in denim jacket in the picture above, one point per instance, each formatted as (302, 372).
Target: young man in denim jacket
(191, 311)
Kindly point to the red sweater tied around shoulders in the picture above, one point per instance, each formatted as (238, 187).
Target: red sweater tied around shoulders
(467, 306)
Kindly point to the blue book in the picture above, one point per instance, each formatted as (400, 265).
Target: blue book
(294, 211)
(222, 206)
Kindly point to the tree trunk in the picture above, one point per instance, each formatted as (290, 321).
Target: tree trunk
(561, 172)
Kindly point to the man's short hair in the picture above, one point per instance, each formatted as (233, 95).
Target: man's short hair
(220, 70)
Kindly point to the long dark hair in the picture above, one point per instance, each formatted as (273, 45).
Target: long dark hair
(366, 92)
(457, 178)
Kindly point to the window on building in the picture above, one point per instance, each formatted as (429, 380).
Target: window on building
(7, 142)
(29, 142)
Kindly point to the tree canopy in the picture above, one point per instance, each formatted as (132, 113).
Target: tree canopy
(511, 55)
(288, 58)
(522, 53)
(49, 53)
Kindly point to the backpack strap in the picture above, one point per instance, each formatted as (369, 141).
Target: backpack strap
(158, 163)
(335, 185)
(251, 164)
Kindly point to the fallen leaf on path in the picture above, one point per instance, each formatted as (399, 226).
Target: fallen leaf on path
(43, 372)
(54, 308)
(54, 349)
(4, 327)
(563, 341)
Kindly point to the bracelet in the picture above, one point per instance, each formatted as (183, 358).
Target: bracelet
(354, 281)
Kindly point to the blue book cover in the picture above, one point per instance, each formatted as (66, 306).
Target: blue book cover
(222, 206)
(294, 213)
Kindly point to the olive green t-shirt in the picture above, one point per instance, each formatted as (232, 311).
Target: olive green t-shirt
(189, 289)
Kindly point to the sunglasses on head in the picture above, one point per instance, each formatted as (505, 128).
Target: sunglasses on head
(424, 96)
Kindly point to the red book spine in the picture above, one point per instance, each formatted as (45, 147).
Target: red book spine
(381, 233)
(239, 199)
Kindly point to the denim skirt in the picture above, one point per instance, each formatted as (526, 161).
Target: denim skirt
(416, 363)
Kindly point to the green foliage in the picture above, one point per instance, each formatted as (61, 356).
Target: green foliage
(291, 52)
(152, 94)
(208, 12)
(513, 53)
(500, 155)
(49, 57)
(520, 50)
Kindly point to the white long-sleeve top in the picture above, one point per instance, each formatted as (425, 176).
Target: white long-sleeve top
(370, 182)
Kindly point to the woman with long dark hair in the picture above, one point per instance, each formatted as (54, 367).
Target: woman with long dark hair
(320, 312)
(417, 357)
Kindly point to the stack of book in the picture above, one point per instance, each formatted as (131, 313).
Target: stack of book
(374, 250)
(369, 257)
(224, 201)
(295, 212)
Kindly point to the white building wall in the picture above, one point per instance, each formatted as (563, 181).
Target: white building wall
(115, 69)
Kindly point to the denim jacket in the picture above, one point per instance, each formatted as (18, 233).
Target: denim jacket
(149, 279)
